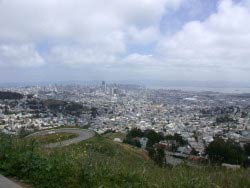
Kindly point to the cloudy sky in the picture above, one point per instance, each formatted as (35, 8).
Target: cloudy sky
(56, 40)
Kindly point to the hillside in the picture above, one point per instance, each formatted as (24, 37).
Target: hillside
(100, 162)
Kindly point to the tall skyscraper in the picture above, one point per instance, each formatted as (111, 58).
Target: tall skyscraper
(104, 86)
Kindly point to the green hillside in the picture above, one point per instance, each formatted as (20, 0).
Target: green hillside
(100, 162)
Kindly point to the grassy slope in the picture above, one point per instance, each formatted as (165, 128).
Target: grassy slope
(112, 136)
(99, 162)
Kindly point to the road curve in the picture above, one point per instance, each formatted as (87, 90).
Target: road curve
(6, 183)
(83, 134)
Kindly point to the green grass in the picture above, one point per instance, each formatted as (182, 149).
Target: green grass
(112, 136)
(62, 127)
(100, 162)
(52, 138)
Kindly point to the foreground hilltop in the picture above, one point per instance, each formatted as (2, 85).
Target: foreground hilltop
(100, 162)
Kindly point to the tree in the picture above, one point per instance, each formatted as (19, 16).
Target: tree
(151, 152)
(247, 153)
(10, 95)
(247, 149)
(150, 145)
(153, 136)
(178, 138)
(135, 133)
(159, 157)
(220, 151)
(131, 137)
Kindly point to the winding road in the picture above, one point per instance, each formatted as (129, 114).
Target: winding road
(83, 134)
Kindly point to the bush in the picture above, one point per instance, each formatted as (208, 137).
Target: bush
(247, 149)
(220, 151)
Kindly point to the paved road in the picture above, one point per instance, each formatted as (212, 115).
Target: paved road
(82, 135)
(6, 183)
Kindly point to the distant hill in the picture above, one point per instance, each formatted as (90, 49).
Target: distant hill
(10, 95)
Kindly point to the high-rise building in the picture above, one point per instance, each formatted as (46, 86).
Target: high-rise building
(104, 86)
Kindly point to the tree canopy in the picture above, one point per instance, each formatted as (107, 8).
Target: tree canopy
(10, 95)
(220, 151)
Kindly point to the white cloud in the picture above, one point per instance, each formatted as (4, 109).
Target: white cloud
(140, 59)
(143, 36)
(220, 42)
(76, 56)
(75, 19)
(113, 33)
(96, 26)
(13, 55)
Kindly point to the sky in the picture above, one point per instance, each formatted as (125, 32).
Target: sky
(60, 40)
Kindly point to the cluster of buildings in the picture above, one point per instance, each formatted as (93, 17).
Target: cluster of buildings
(197, 116)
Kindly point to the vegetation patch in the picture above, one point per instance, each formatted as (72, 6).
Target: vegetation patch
(53, 138)
(10, 95)
(112, 136)
(100, 162)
